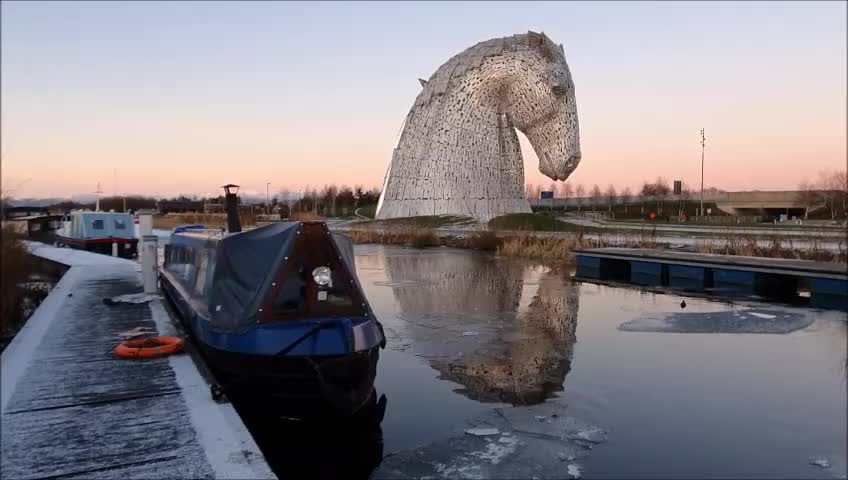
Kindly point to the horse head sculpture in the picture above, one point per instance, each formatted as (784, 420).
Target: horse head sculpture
(459, 154)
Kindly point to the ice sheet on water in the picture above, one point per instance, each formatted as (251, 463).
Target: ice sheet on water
(524, 447)
(574, 470)
(772, 321)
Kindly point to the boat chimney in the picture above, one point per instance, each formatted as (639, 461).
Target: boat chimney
(231, 207)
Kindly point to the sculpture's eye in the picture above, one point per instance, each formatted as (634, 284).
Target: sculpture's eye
(559, 90)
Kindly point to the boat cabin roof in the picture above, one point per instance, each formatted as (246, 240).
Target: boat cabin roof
(91, 224)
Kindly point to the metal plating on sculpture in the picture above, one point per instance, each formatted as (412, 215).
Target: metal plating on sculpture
(459, 154)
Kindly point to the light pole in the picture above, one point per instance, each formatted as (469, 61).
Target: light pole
(267, 204)
(703, 142)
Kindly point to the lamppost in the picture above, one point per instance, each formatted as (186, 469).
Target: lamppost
(267, 204)
(703, 142)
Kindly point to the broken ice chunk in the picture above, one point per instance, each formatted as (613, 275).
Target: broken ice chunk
(482, 432)
(574, 470)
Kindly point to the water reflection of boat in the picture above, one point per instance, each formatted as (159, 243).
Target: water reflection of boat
(325, 447)
(502, 329)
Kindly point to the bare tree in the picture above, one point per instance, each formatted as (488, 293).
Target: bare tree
(808, 196)
(841, 182)
(532, 191)
(611, 193)
(658, 190)
(565, 192)
(626, 197)
(596, 195)
(685, 195)
(579, 193)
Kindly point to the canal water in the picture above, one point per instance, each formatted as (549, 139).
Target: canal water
(682, 387)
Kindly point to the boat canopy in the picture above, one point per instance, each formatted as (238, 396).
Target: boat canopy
(84, 224)
(258, 275)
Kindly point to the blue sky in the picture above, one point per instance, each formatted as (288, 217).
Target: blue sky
(314, 93)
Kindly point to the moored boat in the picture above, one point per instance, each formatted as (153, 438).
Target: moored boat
(100, 232)
(278, 314)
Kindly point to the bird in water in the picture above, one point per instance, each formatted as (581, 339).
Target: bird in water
(683, 304)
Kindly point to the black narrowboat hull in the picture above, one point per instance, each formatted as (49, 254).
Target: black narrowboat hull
(295, 386)
(127, 247)
(286, 386)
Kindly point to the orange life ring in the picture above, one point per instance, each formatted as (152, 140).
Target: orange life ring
(150, 347)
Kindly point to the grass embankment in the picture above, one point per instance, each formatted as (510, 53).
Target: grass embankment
(368, 211)
(530, 221)
(560, 247)
(427, 221)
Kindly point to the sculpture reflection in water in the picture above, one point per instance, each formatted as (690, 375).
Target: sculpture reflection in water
(502, 329)
(321, 447)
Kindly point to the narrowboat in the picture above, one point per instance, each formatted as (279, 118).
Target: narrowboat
(278, 314)
(99, 232)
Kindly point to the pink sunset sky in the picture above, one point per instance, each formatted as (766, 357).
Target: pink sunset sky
(167, 98)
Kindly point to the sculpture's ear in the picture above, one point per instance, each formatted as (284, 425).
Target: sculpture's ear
(422, 82)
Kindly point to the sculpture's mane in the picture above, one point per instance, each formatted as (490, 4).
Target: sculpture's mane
(472, 58)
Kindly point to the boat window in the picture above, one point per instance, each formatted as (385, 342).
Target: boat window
(337, 296)
(300, 296)
(290, 299)
(203, 263)
(97, 224)
(120, 224)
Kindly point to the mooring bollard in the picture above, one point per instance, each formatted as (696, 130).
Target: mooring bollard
(149, 261)
(145, 228)
(145, 223)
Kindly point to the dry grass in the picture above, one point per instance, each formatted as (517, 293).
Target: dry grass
(409, 236)
(305, 217)
(483, 240)
(561, 247)
(15, 268)
(214, 220)
(547, 248)
(774, 248)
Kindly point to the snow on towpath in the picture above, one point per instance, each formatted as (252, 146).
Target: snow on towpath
(69, 408)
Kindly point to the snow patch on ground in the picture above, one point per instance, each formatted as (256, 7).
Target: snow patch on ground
(19, 353)
(230, 449)
(135, 298)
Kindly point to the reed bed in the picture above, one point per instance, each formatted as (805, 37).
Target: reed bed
(214, 220)
(775, 247)
(561, 247)
(15, 268)
(305, 217)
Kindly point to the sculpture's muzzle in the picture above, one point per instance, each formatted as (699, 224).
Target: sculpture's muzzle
(556, 141)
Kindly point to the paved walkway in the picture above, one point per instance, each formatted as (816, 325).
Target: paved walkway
(72, 410)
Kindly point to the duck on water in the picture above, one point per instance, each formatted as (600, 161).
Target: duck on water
(278, 314)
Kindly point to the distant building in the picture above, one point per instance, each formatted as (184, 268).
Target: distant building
(20, 212)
